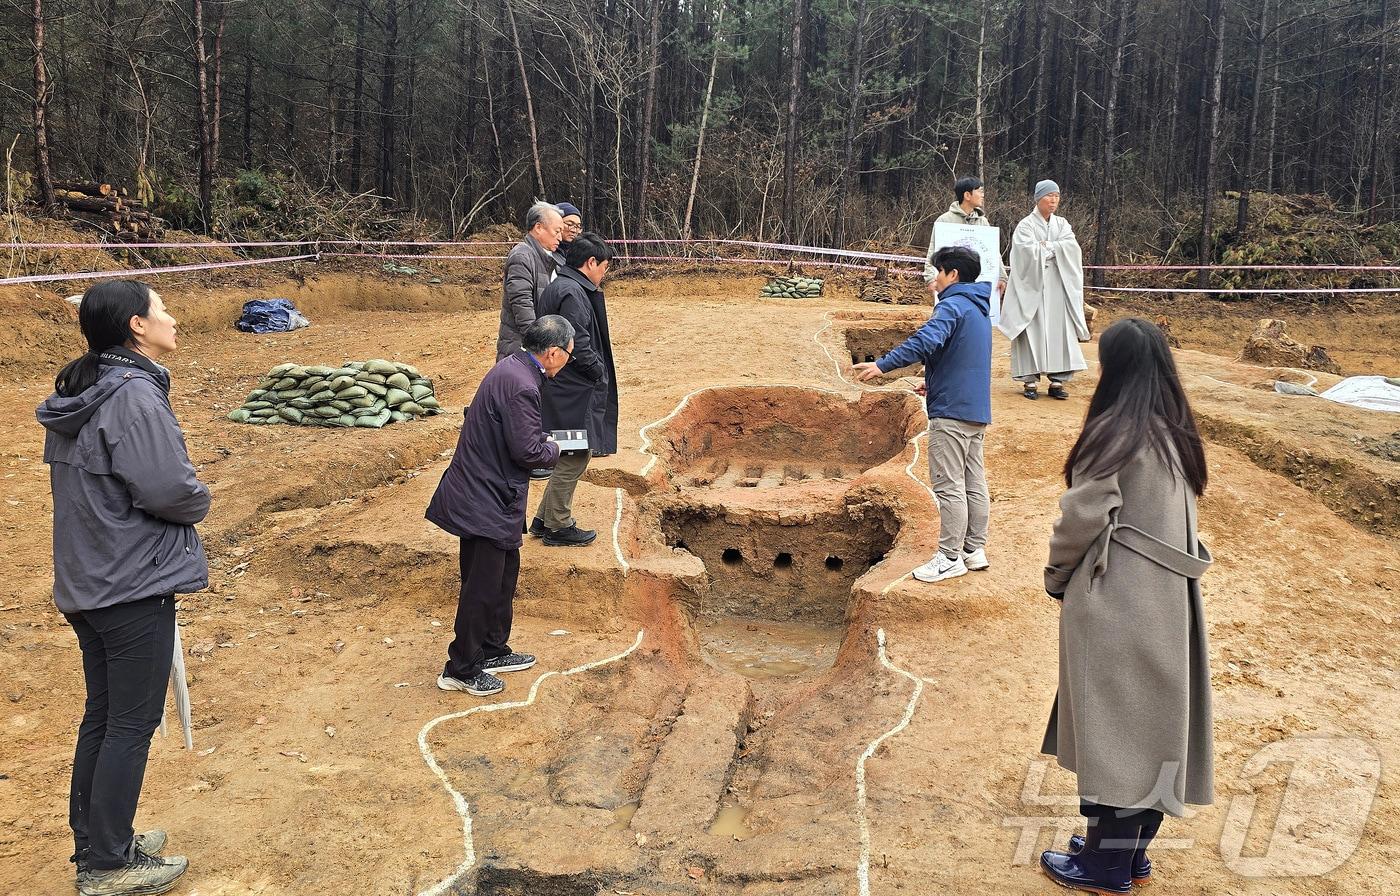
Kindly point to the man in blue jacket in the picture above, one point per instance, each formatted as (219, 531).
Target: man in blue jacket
(481, 500)
(955, 346)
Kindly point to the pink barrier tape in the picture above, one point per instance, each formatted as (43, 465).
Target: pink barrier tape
(717, 259)
(693, 259)
(1272, 292)
(110, 245)
(818, 250)
(415, 257)
(1242, 267)
(413, 243)
(702, 241)
(144, 272)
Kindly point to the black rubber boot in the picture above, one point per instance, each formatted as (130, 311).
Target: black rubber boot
(1141, 869)
(1102, 866)
(1142, 865)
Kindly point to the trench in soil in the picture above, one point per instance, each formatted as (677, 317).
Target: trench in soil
(764, 437)
(869, 343)
(736, 759)
(795, 574)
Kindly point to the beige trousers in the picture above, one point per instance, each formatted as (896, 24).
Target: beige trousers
(556, 508)
(959, 479)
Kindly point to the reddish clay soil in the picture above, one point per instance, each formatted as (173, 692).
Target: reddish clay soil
(758, 545)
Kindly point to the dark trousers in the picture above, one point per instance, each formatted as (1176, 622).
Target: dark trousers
(1113, 820)
(126, 664)
(484, 607)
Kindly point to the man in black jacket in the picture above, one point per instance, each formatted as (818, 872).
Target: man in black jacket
(581, 396)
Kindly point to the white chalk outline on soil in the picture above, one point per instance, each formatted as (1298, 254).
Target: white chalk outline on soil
(617, 528)
(459, 801)
(863, 866)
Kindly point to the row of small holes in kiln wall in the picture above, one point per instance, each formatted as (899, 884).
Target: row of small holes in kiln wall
(733, 557)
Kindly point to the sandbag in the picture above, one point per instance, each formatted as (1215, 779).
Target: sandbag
(356, 394)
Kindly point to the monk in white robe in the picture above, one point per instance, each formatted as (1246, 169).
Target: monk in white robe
(1043, 310)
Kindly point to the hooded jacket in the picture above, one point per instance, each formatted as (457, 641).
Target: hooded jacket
(125, 495)
(955, 347)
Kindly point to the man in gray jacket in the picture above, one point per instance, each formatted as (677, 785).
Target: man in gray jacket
(530, 267)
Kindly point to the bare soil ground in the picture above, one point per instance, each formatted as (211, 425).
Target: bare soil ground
(719, 754)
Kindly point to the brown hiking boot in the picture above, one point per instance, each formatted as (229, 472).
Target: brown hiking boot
(146, 875)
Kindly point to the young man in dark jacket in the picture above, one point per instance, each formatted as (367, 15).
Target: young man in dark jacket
(584, 394)
(481, 500)
(955, 346)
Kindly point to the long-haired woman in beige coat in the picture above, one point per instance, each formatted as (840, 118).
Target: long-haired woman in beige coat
(1132, 718)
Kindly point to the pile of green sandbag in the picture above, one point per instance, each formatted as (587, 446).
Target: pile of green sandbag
(793, 287)
(358, 393)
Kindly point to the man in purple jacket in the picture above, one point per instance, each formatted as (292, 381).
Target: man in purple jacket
(481, 500)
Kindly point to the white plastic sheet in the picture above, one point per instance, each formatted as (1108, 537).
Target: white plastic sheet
(1370, 392)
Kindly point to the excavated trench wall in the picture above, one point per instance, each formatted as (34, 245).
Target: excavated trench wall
(869, 343)
(784, 566)
(769, 497)
(772, 435)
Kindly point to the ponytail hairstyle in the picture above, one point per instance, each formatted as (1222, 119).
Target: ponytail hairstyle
(1139, 403)
(105, 319)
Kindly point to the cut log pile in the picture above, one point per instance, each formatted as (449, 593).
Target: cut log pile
(109, 209)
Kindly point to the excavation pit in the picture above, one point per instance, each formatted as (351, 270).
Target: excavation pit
(765, 437)
(763, 650)
(788, 566)
(866, 342)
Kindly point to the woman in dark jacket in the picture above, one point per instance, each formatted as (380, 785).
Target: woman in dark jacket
(1132, 718)
(125, 499)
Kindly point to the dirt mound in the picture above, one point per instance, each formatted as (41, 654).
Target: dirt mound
(88, 254)
(1286, 230)
(1271, 346)
(42, 331)
(497, 233)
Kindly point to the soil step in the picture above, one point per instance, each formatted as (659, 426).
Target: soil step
(694, 765)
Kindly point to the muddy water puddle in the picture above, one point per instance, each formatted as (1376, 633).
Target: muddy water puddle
(762, 649)
(622, 816)
(732, 821)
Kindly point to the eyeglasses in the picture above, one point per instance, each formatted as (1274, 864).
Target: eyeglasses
(568, 355)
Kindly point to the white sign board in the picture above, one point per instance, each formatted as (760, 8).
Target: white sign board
(986, 242)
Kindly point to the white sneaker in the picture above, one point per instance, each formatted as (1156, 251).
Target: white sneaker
(939, 568)
(976, 559)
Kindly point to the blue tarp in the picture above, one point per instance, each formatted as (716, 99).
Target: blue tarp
(271, 316)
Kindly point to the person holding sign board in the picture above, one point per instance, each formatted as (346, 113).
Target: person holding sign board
(967, 210)
(1043, 310)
